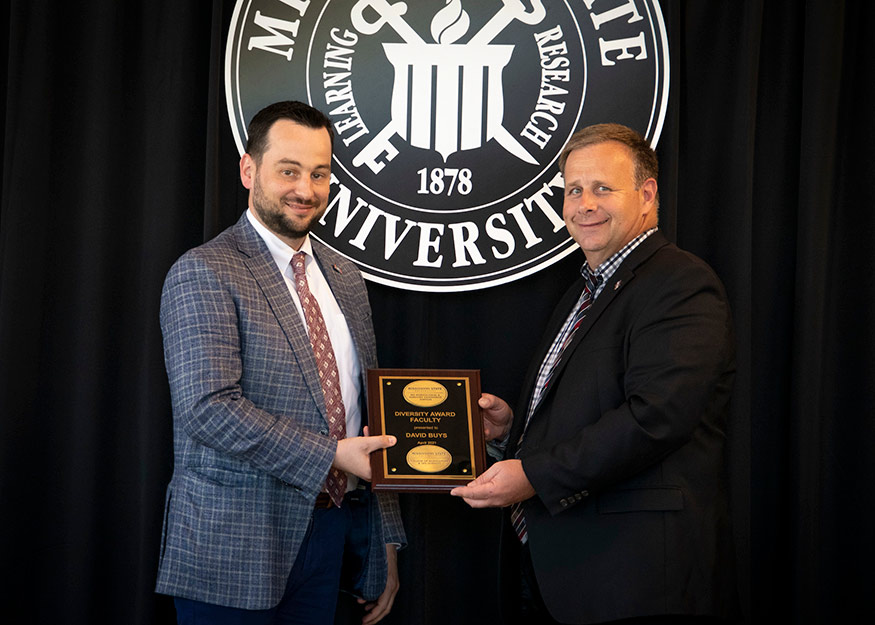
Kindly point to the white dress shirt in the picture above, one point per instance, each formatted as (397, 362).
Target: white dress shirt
(341, 340)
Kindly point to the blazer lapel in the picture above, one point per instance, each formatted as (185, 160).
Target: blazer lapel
(264, 270)
(348, 302)
(560, 314)
(349, 299)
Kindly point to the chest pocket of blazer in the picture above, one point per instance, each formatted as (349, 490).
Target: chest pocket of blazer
(641, 500)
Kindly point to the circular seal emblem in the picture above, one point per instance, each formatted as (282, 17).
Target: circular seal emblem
(429, 458)
(425, 393)
(449, 118)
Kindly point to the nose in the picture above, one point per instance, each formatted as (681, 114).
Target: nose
(304, 186)
(583, 203)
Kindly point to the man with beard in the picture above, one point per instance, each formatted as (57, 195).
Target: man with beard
(267, 339)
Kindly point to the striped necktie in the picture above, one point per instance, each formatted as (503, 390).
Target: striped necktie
(517, 518)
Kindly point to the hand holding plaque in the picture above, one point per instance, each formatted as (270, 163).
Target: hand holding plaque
(435, 417)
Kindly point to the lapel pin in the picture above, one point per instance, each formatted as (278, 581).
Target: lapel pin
(337, 269)
(617, 284)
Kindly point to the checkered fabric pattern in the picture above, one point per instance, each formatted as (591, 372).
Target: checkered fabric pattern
(251, 438)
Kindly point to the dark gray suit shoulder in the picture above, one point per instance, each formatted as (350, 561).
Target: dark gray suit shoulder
(664, 261)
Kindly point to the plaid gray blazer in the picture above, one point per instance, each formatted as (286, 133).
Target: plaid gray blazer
(251, 446)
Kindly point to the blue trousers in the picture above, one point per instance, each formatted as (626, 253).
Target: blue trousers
(311, 591)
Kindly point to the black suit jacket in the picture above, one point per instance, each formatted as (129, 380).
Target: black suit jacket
(626, 450)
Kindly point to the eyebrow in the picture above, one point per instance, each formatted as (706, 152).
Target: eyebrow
(289, 161)
(577, 182)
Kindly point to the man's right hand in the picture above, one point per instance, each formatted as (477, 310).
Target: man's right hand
(353, 455)
(497, 416)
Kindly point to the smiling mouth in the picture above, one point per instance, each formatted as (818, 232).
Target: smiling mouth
(591, 225)
(300, 206)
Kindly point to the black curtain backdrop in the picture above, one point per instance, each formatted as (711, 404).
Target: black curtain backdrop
(117, 157)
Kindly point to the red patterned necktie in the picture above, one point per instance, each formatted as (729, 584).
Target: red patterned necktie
(335, 483)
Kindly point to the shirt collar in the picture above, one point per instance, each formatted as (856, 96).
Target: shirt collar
(601, 274)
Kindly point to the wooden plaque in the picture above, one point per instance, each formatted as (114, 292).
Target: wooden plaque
(435, 417)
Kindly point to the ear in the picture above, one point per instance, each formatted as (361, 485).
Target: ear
(648, 196)
(247, 171)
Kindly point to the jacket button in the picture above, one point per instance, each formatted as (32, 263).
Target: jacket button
(585, 493)
(563, 502)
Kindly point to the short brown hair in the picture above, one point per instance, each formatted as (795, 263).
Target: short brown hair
(292, 110)
(646, 162)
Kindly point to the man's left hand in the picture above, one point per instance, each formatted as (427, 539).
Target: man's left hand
(503, 484)
(376, 610)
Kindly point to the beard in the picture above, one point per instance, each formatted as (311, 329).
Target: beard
(272, 215)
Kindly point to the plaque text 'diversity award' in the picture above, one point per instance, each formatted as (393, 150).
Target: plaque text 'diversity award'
(436, 419)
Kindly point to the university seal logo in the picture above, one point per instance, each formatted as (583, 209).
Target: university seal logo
(449, 118)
